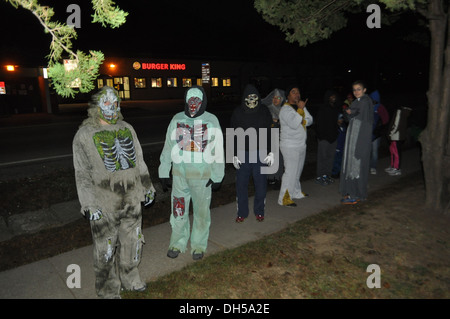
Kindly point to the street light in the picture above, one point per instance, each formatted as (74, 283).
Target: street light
(10, 68)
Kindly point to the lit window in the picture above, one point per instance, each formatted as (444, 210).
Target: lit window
(187, 82)
(109, 82)
(214, 81)
(172, 82)
(156, 82)
(139, 83)
(199, 82)
(99, 83)
(226, 82)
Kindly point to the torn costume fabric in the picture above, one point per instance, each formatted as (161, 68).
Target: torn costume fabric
(358, 144)
(112, 180)
(193, 150)
(293, 138)
(251, 151)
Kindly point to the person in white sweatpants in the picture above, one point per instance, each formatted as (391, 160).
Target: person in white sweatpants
(294, 118)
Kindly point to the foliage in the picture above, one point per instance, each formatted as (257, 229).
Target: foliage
(87, 65)
(307, 22)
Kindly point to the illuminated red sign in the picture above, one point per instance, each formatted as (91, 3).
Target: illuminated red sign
(159, 66)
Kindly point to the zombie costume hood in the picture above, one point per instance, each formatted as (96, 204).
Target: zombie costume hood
(251, 113)
(251, 101)
(104, 105)
(195, 101)
(274, 110)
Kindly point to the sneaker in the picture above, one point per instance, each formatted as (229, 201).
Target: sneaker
(347, 200)
(387, 170)
(321, 181)
(329, 179)
(140, 289)
(373, 171)
(173, 253)
(260, 218)
(197, 256)
(395, 172)
(240, 219)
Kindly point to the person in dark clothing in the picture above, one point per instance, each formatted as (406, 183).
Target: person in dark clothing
(327, 134)
(251, 116)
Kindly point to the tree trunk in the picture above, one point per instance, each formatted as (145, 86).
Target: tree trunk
(435, 138)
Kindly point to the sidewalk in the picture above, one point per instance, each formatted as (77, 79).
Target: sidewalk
(46, 279)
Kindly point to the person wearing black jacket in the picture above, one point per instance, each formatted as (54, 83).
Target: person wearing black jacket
(327, 130)
(251, 116)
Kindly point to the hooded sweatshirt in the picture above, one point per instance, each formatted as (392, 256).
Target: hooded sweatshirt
(252, 114)
(326, 123)
(194, 144)
(380, 115)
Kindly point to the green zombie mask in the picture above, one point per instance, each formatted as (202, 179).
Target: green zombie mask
(108, 102)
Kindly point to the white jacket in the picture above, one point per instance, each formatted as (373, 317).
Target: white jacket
(293, 134)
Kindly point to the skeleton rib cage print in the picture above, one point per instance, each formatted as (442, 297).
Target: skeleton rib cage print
(116, 149)
(192, 139)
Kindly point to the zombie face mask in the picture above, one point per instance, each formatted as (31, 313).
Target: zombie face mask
(194, 101)
(108, 105)
(251, 101)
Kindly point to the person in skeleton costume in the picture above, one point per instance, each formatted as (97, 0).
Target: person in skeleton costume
(193, 150)
(251, 114)
(358, 144)
(112, 180)
(274, 101)
(294, 118)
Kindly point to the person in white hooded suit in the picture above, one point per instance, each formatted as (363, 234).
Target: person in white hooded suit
(294, 118)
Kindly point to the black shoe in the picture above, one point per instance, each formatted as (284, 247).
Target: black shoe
(197, 256)
(173, 253)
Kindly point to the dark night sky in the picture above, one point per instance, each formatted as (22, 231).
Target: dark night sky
(205, 28)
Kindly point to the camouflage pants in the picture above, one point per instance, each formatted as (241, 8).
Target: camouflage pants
(118, 241)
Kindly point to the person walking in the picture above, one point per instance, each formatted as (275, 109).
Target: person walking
(358, 144)
(294, 118)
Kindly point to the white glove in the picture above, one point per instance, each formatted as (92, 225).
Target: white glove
(236, 162)
(149, 197)
(269, 159)
(93, 215)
